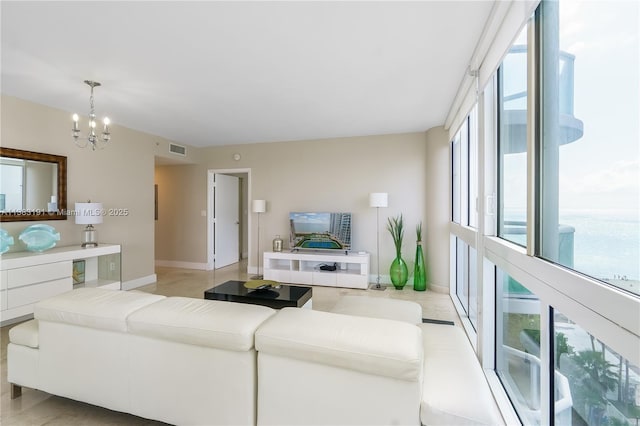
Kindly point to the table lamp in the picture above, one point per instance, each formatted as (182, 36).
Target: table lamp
(89, 214)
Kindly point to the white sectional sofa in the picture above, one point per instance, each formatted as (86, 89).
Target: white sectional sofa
(177, 360)
(204, 362)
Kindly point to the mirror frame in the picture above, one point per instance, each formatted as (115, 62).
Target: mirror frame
(61, 161)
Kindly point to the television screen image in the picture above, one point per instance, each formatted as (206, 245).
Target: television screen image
(320, 231)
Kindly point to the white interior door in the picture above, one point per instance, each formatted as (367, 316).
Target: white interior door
(226, 213)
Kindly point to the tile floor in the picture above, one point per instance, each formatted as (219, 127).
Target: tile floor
(39, 408)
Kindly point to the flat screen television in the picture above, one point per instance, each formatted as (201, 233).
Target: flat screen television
(320, 231)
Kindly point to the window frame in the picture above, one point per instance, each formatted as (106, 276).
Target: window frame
(608, 313)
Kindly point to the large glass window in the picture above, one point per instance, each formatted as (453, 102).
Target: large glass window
(466, 280)
(580, 125)
(462, 274)
(464, 148)
(464, 154)
(594, 384)
(512, 144)
(590, 153)
(473, 168)
(455, 178)
(518, 345)
(472, 309)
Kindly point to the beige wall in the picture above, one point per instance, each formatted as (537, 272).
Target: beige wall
(438, 208)
(120, 176)
(181, 238)
(329, 175)
(180, 228)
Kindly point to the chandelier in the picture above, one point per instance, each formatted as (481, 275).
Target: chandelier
(92, 139)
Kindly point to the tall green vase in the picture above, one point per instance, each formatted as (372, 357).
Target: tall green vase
(419, 270)
(399, 273)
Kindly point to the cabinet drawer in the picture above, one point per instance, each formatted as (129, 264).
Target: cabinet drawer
(325, 278)
(353, 281)
(301, 277)
(3, 280)
(37, 274)
(3, 300)
(34, 293)
(277, 275)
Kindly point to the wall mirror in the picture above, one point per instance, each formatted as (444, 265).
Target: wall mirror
(33, 186)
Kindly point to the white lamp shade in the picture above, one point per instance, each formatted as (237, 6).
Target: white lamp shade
(258, 206)
(88, 213)
(378, 199)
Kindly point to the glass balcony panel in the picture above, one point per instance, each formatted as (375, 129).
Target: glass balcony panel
(594, 385)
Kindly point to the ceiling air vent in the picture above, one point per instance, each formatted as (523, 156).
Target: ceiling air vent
(178, 149)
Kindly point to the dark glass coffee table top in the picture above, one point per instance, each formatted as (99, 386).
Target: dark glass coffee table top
(274, 297)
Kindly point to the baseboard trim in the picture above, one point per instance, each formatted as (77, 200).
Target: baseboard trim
(183, 265)
(438, 289)
(139, 282)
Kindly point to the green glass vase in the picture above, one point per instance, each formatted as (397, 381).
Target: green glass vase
(419, 270)
(399, 273)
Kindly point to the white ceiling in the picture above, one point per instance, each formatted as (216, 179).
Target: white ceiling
(221, 73)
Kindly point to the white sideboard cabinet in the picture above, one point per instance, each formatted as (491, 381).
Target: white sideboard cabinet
(28, 277)
(352, 269)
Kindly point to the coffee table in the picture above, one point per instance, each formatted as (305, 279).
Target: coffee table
(274, 297)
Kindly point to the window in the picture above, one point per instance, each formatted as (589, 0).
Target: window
(518, 345)
(455, 184)
(558, 347)
(594, 384)
(590, 155)
(473, 168)
(466, 280)
(512, 145)
(462, 274)
(464, 152)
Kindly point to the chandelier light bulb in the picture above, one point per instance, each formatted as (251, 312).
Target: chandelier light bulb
(75, 117)
(107, 121)
(92, 123)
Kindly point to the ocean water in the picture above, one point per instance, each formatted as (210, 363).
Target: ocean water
(606, 244)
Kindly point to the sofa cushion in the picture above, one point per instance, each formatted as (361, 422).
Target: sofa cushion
(455, 391)
(93, 307)
(369, 345)
(211, 323)
(379, 307)
(25, 334)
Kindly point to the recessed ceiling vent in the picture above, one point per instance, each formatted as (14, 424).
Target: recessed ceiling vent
(178, 149)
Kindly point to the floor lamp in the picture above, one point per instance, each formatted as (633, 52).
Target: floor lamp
(258, 206)
(377, 200)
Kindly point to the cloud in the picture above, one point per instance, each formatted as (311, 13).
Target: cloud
(623, 176)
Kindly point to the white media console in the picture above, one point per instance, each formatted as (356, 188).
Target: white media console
(28, 277)
(300, 267)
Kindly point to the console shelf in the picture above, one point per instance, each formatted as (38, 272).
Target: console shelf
(304, 268)
(28, 277)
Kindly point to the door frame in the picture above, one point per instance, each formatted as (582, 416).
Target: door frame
(210, 241)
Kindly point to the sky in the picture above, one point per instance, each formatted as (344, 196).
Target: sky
(601, 170)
